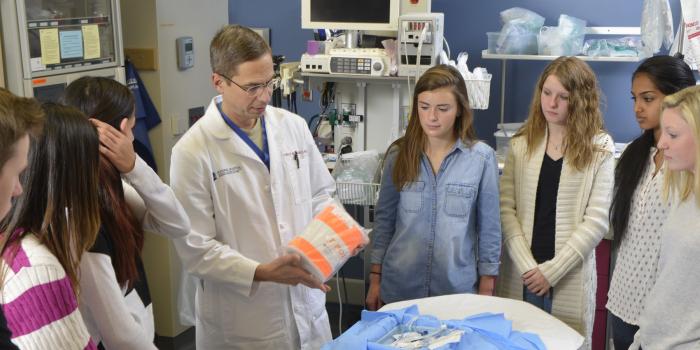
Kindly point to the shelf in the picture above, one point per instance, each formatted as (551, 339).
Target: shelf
(496, 56)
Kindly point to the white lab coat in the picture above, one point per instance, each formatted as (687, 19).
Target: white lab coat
(242, 215)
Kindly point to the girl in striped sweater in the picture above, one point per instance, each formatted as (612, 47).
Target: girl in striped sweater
(47, 232)
(19, 118)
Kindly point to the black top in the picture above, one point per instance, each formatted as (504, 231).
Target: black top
(5, 334)
(546, 210)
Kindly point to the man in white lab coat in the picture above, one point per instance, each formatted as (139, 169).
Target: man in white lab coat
(250, 177)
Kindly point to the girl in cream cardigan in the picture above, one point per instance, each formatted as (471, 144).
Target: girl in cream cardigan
(555, 195)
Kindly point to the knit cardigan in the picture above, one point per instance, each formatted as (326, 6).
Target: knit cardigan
(583, 201)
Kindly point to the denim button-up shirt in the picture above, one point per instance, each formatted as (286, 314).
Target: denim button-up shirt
(441, 232)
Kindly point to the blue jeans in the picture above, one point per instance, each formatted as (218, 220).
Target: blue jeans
(622, 332)
(543, 302)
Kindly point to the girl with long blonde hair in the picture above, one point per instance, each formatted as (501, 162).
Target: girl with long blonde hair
(555, 196)
(669, 319)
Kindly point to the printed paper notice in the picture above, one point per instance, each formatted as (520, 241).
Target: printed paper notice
(71, 44)
(91, 41)
(35, 64)
(49, 46)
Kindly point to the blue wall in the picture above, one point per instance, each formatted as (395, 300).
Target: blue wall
(466, 22)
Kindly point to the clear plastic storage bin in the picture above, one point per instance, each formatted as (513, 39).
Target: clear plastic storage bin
(503, 136)
(513, 44)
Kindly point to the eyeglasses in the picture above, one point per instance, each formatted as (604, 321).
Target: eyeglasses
(255, 90)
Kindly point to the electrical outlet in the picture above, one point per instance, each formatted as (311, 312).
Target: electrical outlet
(194, 114)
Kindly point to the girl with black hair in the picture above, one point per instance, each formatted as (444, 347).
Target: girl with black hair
(638, 210)
(115, 301)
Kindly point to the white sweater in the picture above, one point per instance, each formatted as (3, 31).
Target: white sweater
(670, 319)
(116, 317)
(583, 201)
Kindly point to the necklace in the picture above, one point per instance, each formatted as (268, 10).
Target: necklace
(556, 147)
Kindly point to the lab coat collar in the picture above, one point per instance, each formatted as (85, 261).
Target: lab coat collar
(215, 125)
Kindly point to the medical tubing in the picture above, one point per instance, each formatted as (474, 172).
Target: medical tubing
(340, 305)
(420, 50)
(405, 53)
(447, 45)
(426, 336)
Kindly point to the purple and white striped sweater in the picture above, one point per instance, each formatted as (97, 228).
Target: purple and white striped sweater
(38, 300)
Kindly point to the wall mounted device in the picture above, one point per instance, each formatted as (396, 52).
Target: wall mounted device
(54, 42)
(185, 52)
(420, 42)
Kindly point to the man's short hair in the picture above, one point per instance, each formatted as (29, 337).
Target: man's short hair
(18, 117)
(233, 45)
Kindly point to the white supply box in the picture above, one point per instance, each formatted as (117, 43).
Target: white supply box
(320, 63)
(372, 62)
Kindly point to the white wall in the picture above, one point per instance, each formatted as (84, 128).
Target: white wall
(2, 64)
(156, 24)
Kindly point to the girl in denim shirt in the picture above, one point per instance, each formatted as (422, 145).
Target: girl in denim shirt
(437, 223)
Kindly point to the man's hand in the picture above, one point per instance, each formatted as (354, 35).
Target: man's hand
(535, 282)
(287, 270)
(487, 284)
(116, 145)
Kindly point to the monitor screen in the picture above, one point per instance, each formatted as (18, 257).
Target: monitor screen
(350, 15)
(362, 11)
(49, 93)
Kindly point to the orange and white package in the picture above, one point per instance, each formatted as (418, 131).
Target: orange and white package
(331, 238)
